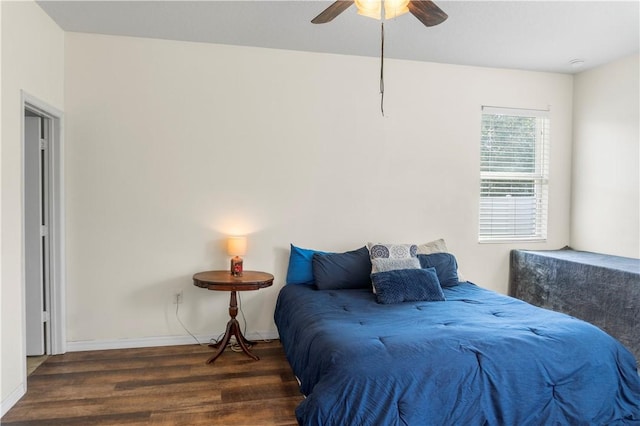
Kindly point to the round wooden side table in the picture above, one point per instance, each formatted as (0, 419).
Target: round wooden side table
(224, 281)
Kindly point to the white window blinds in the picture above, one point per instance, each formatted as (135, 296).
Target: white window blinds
(514, 174)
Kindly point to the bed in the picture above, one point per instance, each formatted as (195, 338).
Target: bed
(477, 358)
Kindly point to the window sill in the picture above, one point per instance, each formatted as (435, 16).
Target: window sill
(513, 240)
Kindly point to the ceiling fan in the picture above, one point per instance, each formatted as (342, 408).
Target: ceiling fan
(425, 10)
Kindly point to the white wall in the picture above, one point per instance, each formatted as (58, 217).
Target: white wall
(33, 61)
(171, 146)
(606, 159)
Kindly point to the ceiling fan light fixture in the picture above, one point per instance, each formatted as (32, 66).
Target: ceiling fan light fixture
(373, 8)
(393, 8)
(369, 8)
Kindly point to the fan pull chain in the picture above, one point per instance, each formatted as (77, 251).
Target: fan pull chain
(382, 68)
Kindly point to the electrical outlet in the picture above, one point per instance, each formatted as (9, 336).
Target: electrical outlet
(177, 297)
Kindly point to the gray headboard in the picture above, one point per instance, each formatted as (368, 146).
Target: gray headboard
(601, 289)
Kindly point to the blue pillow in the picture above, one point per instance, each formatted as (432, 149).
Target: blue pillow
(333, 271)
(407, 285)
(445, 264)
(300, 269)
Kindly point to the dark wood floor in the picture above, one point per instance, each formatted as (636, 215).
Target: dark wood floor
(160, 386)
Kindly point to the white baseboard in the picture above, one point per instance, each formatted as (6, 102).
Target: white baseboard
(13, 397)
(148, 342)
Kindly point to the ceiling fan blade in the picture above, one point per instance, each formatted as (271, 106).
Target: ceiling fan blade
(427, 12)
(332, 11)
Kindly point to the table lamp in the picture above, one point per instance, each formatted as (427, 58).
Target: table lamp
(236, 247)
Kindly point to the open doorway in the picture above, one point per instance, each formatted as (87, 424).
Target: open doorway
(43, 229)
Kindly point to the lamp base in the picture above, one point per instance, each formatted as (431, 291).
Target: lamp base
(236, 266)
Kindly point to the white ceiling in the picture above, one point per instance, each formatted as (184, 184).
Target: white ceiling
(529, 35)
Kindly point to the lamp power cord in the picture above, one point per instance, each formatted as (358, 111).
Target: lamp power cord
(233, 345)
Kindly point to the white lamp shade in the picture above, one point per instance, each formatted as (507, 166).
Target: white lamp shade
(373, 8)
(393, 8)
(369, 8)
(237, 246)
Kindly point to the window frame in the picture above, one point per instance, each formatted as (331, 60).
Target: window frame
(494, 224)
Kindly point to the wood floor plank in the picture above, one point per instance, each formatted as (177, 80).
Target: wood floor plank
(277, 412)
(168, 385)
(140, 418)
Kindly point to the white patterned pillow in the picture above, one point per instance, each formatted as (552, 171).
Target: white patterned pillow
(390, 257)
(392, 251)
(382, 264)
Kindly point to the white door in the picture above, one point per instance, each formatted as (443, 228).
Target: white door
(36, 233)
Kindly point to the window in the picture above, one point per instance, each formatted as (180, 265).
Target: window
(514, 175)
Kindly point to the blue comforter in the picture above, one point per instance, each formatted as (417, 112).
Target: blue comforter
(479, 358)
